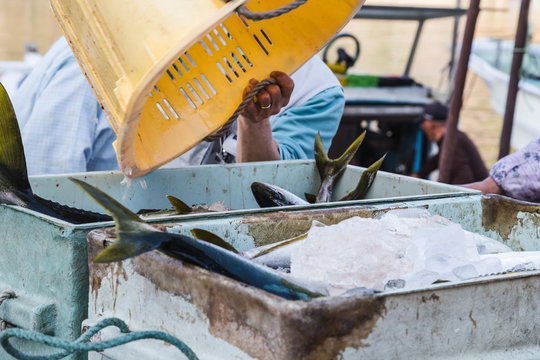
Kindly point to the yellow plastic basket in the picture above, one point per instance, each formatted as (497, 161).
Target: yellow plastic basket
(170, 72)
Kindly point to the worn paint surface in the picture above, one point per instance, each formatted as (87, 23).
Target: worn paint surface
(481, 319)
(493, 316)
(46, 260)
(273, 227)
(261, 325)
(506, 216)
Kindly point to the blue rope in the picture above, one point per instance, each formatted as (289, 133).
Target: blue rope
(82, 344)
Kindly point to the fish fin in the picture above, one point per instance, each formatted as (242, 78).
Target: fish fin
(312, 199)
(331, 170)
(281, 244)
(365, 182)
(321, 157)
(308, 294)
(134, 236)
(125, 219)
(347, 156)
(212, 238)
(13, 172)
(178, 205)
(15, 187)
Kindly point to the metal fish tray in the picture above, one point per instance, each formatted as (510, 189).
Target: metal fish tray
(44, 260)
(493, 317)
(231, 184)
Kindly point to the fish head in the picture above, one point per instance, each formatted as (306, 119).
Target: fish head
(268, 195)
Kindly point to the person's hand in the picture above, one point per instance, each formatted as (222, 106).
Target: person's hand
(486, 186)
(255, 140)
(270, 99)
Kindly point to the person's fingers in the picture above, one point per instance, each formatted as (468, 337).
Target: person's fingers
(274, 92)
(270, 99)
(266, 99)
(286, 85)
(252, 83)
(251, 110)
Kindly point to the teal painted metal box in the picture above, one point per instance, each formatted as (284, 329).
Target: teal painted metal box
(44, 260)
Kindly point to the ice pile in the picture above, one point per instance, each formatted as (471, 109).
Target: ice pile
(404, 248)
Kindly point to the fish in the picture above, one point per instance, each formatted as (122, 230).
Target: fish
(212, 238)
(180, 208)
(134, 236)
(278, 255)
(15, 187)
(366, 180)
(183, 208)
(268, 195)
(331, 170)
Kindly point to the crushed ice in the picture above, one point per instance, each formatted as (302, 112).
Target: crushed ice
(406, 248)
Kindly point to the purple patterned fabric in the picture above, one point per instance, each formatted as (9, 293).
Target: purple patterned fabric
(518, 174)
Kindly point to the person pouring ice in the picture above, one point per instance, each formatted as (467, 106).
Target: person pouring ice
(65, 130)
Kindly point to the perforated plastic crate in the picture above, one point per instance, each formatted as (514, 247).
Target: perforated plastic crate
(171, 72)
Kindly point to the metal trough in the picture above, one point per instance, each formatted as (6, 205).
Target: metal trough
(44, 260)
(232, 184)
(493, 317)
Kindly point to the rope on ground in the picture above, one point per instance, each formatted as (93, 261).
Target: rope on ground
(81, 345)
(4, 295)
(249, 97)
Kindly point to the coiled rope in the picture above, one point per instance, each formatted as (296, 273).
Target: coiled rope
(82, 344)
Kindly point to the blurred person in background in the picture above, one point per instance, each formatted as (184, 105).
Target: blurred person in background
(467, 164)
(516, 175)
(63, 127)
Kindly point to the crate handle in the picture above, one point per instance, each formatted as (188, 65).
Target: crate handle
(32, 313)
(8, 294)
(245, 102)
(256, 16)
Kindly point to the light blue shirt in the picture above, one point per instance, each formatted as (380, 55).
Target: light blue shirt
(295, 129)
(62, 125)
(64, 129)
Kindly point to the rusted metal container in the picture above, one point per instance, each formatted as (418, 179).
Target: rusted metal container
(44, 259)
(492, 317)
